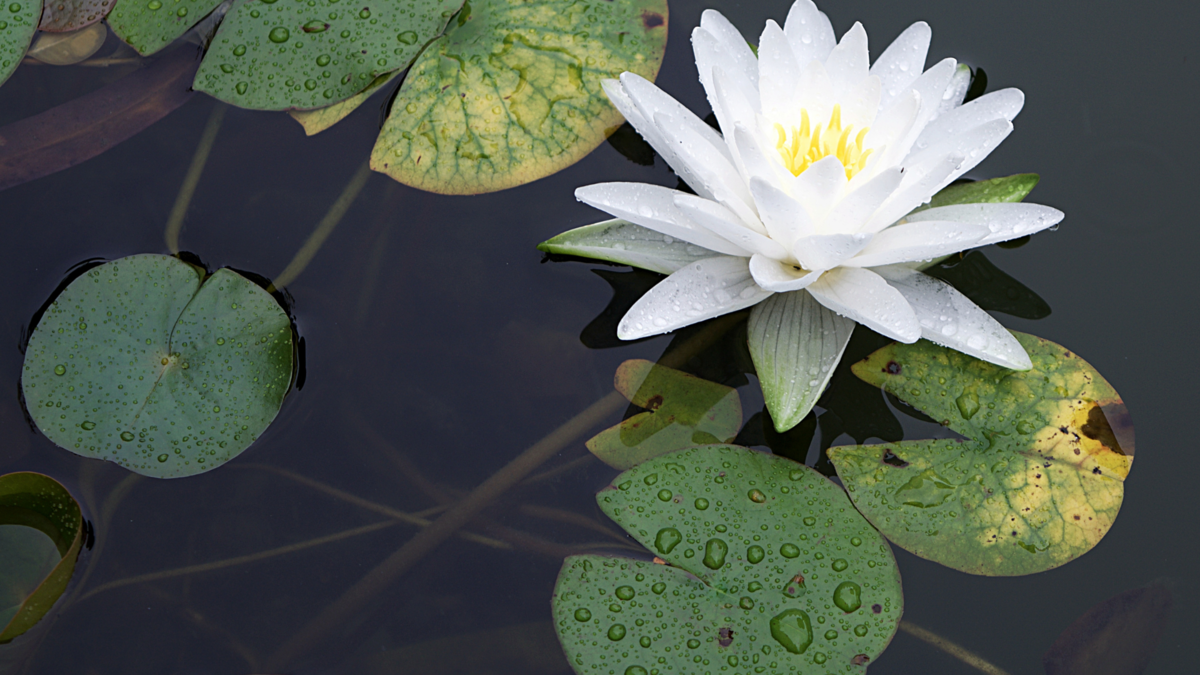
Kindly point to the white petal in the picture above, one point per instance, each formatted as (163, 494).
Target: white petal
(814, 93)
(827, 251)
(625, 243)
(1003, 221)
(1003, 104)
(911, 195)
(785, 218)
(956, 91)
(724, 223)
(778, 74)
(702, 290)
(892, 126)
(819, 188)
(651, 101)
(918, 241)
(860, 103)
(654, 207)
(972, 147)
(809, 31)
(796, 344)
(902, 61)
(863, 296)
(930, 85)
(950, 319)
(756, 164)
(709, 57)
(712, 171)
(778, 277)
(857, 207)
(734, 50)
(849, 62)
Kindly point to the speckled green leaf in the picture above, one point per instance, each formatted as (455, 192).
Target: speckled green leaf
(992, 191)
(41, 533)
(18, 22)
(1037, 482)
(142, 362)
(319, 119)
(60, 16)
(768, 569)
(150, 25)
(682, 410)
(512, 92)
(304, 54)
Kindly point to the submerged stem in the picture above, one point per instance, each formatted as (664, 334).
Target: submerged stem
(458, 515)
(952, 648)
(324, 229)
(184, 199)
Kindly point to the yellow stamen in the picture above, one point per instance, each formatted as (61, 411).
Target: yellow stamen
(802, 148)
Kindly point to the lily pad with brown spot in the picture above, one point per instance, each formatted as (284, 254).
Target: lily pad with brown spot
(1036, 483)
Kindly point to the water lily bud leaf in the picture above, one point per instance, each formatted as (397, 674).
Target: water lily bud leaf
(766, 565)
(64, 49)
(993, 191)
(271, 55)
(682, 411)
(20, 19)
(622, 242)
(989, 287)
(61, 16)
(511, 93)
(41, 533)
(1116, 637)
(150, 25)
(317, 120)
(142, 362)
(1038, 480)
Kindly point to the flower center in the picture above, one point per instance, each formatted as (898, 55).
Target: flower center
(806, 145)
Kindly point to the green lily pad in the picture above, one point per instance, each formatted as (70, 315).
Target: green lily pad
(41, 533)
(272, 55)
(682, 411)
(767, 566)
(1005, 189)
(318, 120)
(18, 23)
(145, 362)
(1038, 481)
(150, 25)
(511, 92)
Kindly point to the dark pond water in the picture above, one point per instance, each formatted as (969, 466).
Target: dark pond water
(438, 348)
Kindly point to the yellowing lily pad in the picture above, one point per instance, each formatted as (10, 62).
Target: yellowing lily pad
(145, 362)
(763, 564)
(41, 533)
(1038, 481)
(61, 16)
(682, 411)
(511, 92)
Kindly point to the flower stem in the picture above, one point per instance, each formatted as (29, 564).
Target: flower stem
(952, 648)
(184, 199)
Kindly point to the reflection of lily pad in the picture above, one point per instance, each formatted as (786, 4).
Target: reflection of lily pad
(41, 533)
(682, 411)
(144, 362)
(767, 566)
(511, 92)
(1039, 480)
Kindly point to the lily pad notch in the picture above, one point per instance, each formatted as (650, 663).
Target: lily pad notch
(149, 362)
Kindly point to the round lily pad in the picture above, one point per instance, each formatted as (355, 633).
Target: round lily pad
(511, 93)
(145, 362)
(41, 534)
(762, 565)
(18, 23)
(289, 54)
(1038, 480)
(150, 25)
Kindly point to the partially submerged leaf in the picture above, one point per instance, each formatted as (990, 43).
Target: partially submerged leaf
(512, 92)
(142, 362)
(64, 49)
(20, 23)
(78, 130)
(1116, 637)
(61, 16)
(270, 55)
(41, 534)
(150, 25)
(682, 411)
(1039, 480)
(767, 566)
(317, 120)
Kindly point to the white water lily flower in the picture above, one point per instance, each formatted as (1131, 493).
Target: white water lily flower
(804, 200)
